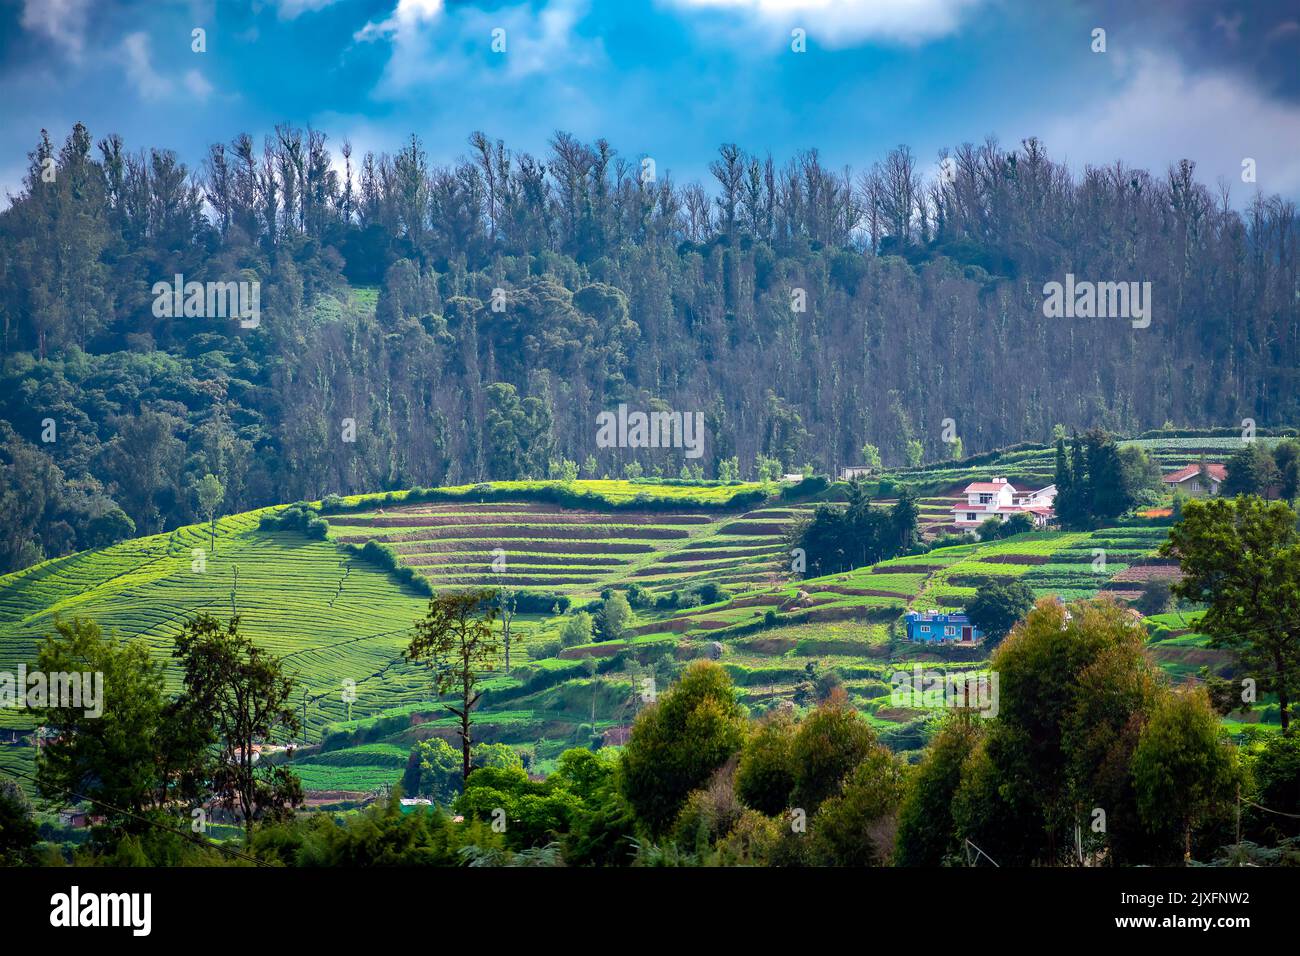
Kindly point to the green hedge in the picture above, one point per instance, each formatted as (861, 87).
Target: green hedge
(385, 558)
(556, 494)
(300, 517)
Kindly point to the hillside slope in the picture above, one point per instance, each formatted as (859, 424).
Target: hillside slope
(340, 619)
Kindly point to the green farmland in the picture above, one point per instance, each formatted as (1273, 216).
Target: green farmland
(341, 621)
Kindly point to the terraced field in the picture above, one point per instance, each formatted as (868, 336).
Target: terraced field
(336, 618)
(331, 618)
(570, 551)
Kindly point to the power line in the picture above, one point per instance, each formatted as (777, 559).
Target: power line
(193, 837)
(1250, 803)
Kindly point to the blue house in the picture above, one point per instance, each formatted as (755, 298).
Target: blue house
(937, 626)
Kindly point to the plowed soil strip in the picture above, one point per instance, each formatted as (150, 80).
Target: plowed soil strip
(754, 528)
(512, 558)
(686, 556)
(863, 592)
(415, 543)
(560, 532)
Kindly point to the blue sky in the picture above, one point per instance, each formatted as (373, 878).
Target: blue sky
(671, 79)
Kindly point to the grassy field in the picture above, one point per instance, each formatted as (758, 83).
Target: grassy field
(337, 618)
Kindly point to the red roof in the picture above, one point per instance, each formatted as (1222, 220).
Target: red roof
(1217, 472)
(977, 486)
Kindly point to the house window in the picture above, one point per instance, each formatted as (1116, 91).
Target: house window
(949, 631)
(925, 628)
(985, 499)
(970, 516)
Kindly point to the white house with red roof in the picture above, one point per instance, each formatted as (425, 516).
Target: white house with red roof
(1190, 482)
(999, 498)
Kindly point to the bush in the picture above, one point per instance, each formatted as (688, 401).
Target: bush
(811, 485)
(385, 558)
(765, 776)
(1155, 598)
(537, 602)
(856, 827)
(830, 742)
(559, 493)
(300, 517)
(678, 743)
(576, 630)
(540, 649)
(639, 597)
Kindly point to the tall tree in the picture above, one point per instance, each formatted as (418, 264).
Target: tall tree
(678, 742)
(209, 492)
(1183, 767)
(133, 758)
(241, 693)
(1241, 558)
(457, 640)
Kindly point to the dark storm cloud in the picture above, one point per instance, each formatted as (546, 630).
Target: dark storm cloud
(1258, 39)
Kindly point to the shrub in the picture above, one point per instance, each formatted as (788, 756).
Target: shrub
(385, 558)
(300, 517)
(540, 649)
(830, 742)
(856, 826)
(576, 630)
(765, 775)
(811, 485)
(537, 602)
(614, 615)
(678, 743)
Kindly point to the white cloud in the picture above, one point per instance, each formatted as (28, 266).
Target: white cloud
(63, 21)
(292, 9)
(198, 86)
(1163, 114)
(840, 23)
(430, 42)
(137, 59)
(404, 22)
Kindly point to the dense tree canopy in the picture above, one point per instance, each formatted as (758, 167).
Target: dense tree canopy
(470, 321)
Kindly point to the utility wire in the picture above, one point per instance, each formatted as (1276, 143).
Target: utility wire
(193, 837)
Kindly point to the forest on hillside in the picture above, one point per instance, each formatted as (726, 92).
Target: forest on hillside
(472, 320)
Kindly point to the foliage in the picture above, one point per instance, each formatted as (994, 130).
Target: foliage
(1183, 769)
(678, 742)
(18, 830)
(839, 539)
(927, 833)
(1251, 471)
(997, 607)
(240, 695)
(765, 775)
(614, 616)
(138, 755)
(1093, 485)
(856, 826)
(381, 835)
(830, 741)
(576, 630)
(1276, 770)
(1071, 693)
(1241, 557)
(457, 640)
